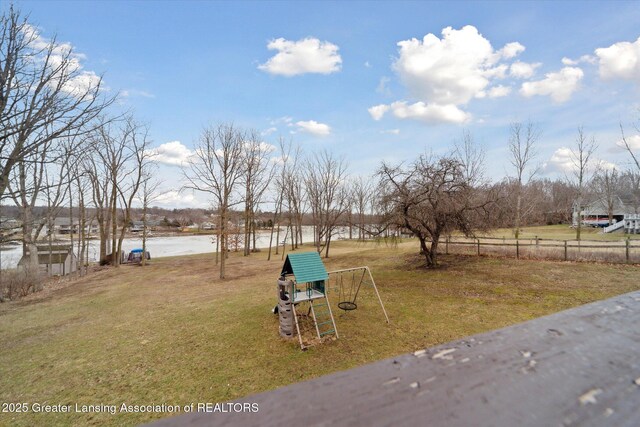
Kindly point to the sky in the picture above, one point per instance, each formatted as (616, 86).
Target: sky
(369, 81)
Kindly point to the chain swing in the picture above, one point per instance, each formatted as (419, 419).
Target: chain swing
(347, 300)
(348, 304)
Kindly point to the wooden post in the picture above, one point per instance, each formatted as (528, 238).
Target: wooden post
(517, 249)
(627, 248)
(536, 242)
(447, 245)
(478, 241)
(565, 250)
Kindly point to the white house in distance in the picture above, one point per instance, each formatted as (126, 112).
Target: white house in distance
(595, 213)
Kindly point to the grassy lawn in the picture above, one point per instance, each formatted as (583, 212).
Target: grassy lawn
(563, 232)
(173, 333)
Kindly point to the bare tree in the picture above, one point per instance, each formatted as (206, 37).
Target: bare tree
(44, 94)
(431, 197)
(471, 157)
(630, 183)
(257, 176)
(148, 194)
(522, 149)
(628, 146)
(129, 182)
(606, 183)
(581, 163)
(42, 174)
(362, 194)
(324, 180)
(217, 169)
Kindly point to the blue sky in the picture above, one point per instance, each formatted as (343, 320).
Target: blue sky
(183, 65)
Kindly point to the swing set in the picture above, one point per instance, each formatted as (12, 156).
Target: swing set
(354, 277)
(304, 283)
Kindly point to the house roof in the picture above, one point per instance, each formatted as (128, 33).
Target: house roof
(599, 207)
(305, 266)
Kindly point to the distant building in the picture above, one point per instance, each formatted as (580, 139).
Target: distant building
(595, 213)
(138, 226)
(63, 226)
(54, 260)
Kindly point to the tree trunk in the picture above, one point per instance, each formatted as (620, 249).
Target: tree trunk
(223, 239)
(518, 211)
(579, 226)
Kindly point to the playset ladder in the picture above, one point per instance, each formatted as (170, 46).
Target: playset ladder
(323, 317)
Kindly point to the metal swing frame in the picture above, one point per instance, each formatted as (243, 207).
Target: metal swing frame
(365, 270)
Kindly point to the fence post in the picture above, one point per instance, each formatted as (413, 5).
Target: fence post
(478, 241)
(627, 248)
(565, 250)
(517, 249)
(447, 246)
(536, 242)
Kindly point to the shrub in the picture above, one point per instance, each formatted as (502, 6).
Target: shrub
(16, 284)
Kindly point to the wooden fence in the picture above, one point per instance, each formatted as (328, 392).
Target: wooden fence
(624, 251)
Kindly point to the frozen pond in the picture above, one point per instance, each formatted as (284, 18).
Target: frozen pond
(164, 246)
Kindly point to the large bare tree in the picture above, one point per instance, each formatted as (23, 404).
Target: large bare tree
(45, 96)
(217, 168)
(257, 176)
(581, 169)
(324, 180)
(434, 196)
(522, 150)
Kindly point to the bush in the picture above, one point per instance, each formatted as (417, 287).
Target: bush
(16, 284)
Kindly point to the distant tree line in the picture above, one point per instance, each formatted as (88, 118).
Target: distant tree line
(66, 150)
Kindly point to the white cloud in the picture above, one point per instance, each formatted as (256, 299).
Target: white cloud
(559, 85)
(451, 70)
(367, 65)
(269, 131)
(583, 59)
(429, 113)
(172, 153)
(313, 127)
(308, 55)
(261, 146)
(633, 141)
(620, 60)
(382, 86)
(564, 161)
(391, 131)
(174, 198)
(128, 93)
(523, 70)
(499, 91)
(64, 62)
(511, 50)
(378, 111)
(280, 120)
(444, 74)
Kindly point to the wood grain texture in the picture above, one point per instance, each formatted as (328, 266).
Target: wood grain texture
(577, 367)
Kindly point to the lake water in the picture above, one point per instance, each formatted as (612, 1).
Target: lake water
(160, 247)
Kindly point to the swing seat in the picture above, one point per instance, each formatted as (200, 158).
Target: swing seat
(347, 305)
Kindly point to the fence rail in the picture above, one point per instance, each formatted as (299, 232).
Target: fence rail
(626, 251)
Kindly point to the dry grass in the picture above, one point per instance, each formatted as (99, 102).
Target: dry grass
(563, 232)
(173, 333)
